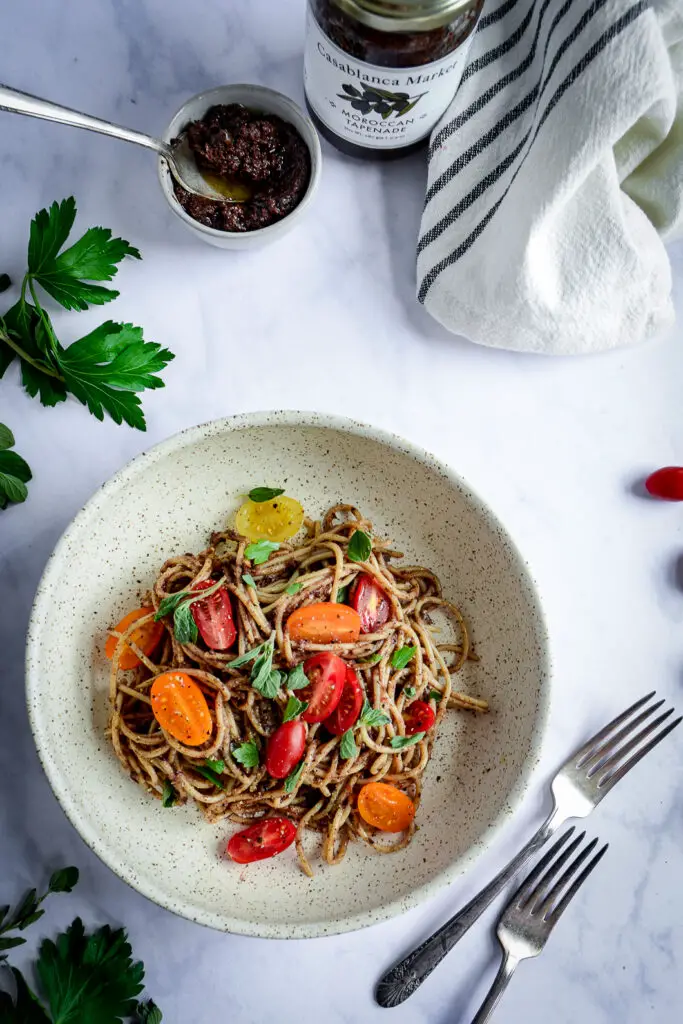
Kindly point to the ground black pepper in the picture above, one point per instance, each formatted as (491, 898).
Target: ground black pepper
(256, 149)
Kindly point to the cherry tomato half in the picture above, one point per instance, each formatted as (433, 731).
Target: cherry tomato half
(285, 748)
(324, 623)
(666, 483)
(371, 603)
(326, 675)
(418, 717)
(264, 839)
(385, 807)
(214, 617)
(349, 707)
(180, 708)
(146, 637)
(275, 520)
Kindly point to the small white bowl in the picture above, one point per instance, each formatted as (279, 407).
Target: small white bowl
(259, 98)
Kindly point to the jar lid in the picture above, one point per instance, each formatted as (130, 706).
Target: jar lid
(406, 15)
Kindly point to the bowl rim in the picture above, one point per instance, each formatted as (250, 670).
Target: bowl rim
(393, 907)
(299, 118)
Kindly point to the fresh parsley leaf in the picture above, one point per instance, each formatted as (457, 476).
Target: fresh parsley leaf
(263, 666)
(360, 546)
(148, 1013)
(184, 626)
(294, 588)
(247, 754)
(248, 579)
(215, 766)
(409, 691)
(92, 258)
(64, 880)
(14, 471)
(347, 747)
(269, 686)
(89, 979)
(10, 944)
(5, 282)
(169, 796)
(261, 551)
(169, 603)
(400, 742)
(106, 367)
(401, 657)
(248, 656)
(26, 1009)
(373, 659)
(435, 695)
(297, 678)
(373, 717)
(292, 780)
(342, 594)
(295, 707)
(210, 774)
(259, 494)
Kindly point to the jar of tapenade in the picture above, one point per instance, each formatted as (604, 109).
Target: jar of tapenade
(380, 73)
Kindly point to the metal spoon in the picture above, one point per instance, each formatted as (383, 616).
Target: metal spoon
(178, 155)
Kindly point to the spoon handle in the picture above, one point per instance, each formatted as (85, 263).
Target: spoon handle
(23, 103)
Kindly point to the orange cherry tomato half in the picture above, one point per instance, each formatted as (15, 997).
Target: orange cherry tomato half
(370, 601)
(146, 637)
(264, 839)
(385, 807)
(324, 623)
(180, 708)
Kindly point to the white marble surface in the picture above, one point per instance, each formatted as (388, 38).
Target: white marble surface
(556, 447)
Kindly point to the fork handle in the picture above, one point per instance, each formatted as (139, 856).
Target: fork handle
(501, 982)
(401, 980)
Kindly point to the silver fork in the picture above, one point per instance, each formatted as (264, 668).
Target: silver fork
(579, 786)
(534, 910)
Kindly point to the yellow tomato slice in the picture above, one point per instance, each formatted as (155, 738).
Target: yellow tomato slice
(275, 520)
(180, 708)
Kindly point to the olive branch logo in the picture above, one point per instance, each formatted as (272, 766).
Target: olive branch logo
(378, 101)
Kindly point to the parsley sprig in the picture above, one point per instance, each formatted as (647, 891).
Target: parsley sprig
(106, 368)
(264, 678)
(180, 604)
(15, 472)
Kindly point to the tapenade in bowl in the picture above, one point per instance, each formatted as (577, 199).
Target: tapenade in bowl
(258, 146)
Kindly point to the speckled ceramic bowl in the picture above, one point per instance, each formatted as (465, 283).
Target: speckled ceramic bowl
(168, 501)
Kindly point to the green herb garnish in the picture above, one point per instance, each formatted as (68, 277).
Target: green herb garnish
(347, 747)
(295, 707)
(292, 781)
(210, 774)
(105, 369)
(184, 626)
(15, 472)
(169, 795)
(373, 717)
(294, 588)
(215, 766)
(259, 494)
(248, 656)
(401, 657)
(409, 691)
(342, 594)
(261, 551)
(435, 695)
(148, 1013)
(373, 659)
(400, 742)
(297, 678)
(28, 910)
(360, 546)
(248, 579)
(247, 754)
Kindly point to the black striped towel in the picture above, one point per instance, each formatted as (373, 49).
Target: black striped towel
(554, 176)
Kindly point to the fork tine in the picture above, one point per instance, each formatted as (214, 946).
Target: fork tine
(545, 903)
(581, 755)
(615, 774)
(526, 890)
(607, 748)
(617, 754)
(555, 914)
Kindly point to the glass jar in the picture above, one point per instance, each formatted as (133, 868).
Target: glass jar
(379, 74)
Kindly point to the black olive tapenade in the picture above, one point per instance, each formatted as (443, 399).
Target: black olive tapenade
(252, 148)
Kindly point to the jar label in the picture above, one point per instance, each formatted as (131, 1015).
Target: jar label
(372, 106)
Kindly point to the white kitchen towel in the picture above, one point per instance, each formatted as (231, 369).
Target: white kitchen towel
(555, 175)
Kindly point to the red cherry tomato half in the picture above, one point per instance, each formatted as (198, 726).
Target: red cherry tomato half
(214, 617)
(285, 748)
(371, 603)
(666, 483)
(326, 675)
(418, 717)
(349, 707)
(264, 839)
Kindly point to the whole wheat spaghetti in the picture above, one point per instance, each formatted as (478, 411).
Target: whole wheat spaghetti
(322, 797)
